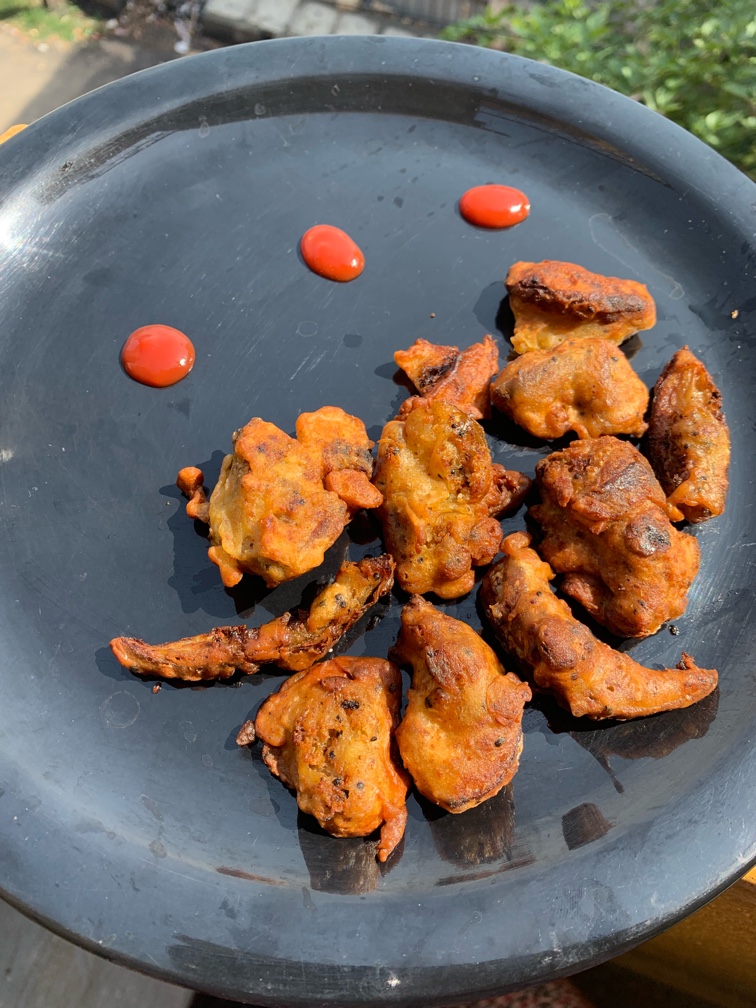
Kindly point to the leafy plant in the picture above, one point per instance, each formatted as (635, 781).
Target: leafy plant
(692, 61)
(60, 20)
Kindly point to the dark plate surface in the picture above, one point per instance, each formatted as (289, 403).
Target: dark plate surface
(130, 821)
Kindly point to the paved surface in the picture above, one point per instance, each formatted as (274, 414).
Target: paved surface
(253, 19)
(40, 970)
(34, 82)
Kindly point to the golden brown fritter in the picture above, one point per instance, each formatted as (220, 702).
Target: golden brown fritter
(441, 491)
(292, 641)
(688, 439)
(606, 529)
(461, 735)
(585, 675)
(458, 377)
(328, 734)
(280, 502)
(583, 385)
(553, 301)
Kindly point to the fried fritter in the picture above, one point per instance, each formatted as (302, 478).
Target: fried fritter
(328, 734)
(585, 675)
(458, 377)
(688, 439)
(583, 385)
(553, 301)
(440, 492)
(606, 528)
(280, 502)
(461, 735)
(292, 641)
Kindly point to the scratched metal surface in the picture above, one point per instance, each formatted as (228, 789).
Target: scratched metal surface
(130, 821)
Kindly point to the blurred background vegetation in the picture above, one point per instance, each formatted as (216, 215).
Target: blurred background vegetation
(58, 19)
(693, 61)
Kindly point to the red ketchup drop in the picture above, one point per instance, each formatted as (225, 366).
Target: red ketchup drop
(494, 206)
(157, 355)
(331, 253)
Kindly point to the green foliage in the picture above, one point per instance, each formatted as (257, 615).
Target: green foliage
(62, 20)
(690, 60)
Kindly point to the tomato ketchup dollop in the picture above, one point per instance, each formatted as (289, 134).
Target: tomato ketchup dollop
(157, 355)
(494, 206)
(331, 253)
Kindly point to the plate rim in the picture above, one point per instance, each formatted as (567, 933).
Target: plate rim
(78, 127)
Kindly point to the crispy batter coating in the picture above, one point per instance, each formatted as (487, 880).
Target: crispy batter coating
(292, 641)
(606, 528)
(689, 440)
(461, 735)
(585, 675)
(328, 734)
(458, 377)
(553, 301)
(189, 481)
(280, 502)
(441, 491)
(583, 385)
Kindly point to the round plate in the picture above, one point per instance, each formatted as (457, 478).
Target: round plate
(131, 822)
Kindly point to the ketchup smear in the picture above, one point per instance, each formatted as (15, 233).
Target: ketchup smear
(157, 355)
(331, 253)
(494, 206)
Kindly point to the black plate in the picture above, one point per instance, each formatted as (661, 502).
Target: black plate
(130, 821)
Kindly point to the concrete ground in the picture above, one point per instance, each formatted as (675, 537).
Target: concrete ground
(36, 79)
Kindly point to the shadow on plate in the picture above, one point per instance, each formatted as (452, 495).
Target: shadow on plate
(652, 737)
(493, 312)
